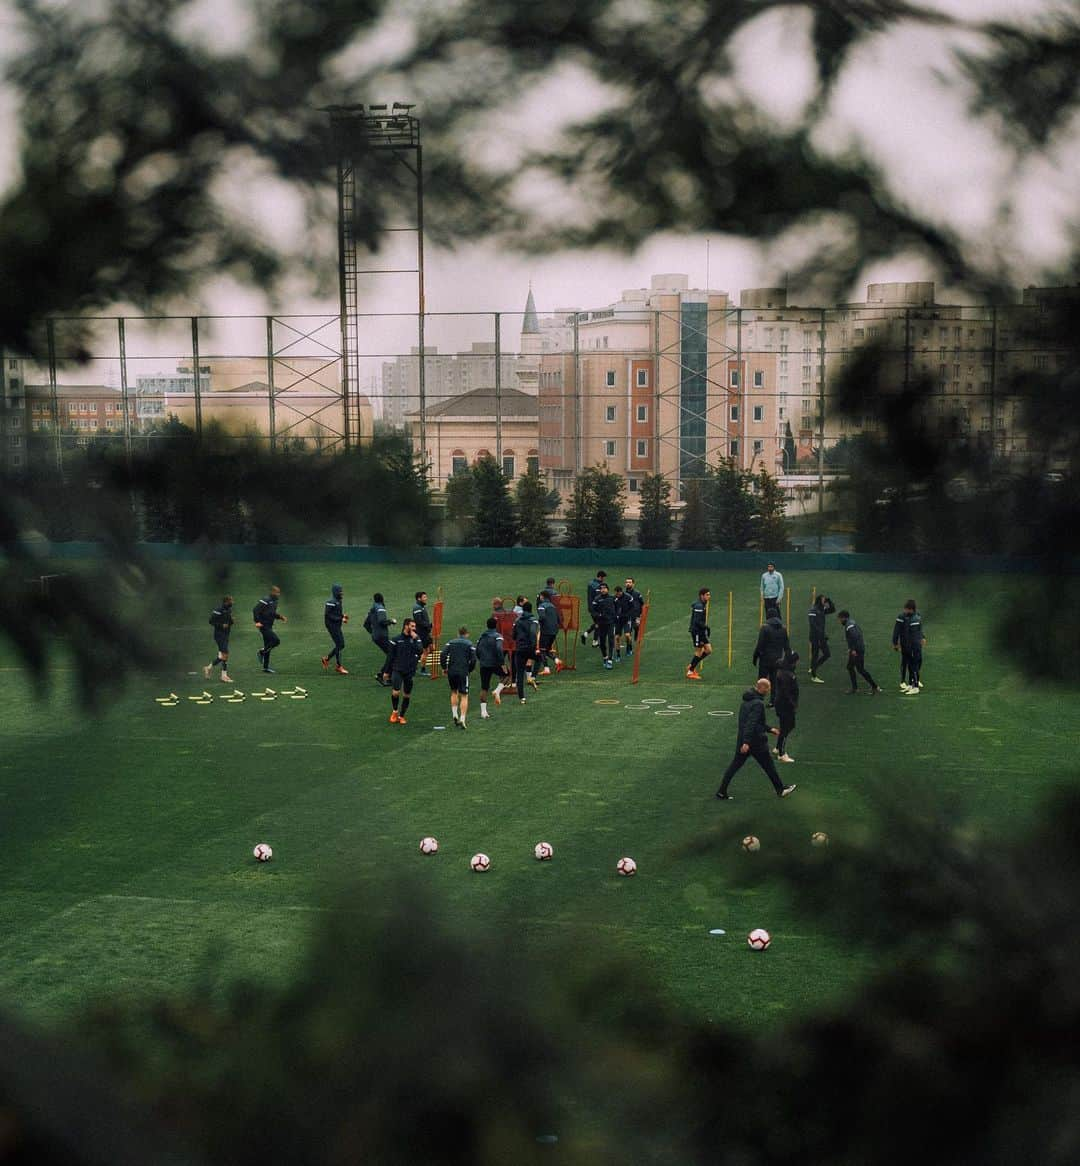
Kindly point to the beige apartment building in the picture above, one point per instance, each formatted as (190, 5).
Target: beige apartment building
(305, 404)
(465, 428)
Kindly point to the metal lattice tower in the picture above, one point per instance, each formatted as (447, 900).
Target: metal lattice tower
(375, 142)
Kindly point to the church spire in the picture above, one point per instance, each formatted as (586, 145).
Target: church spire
(531, 324)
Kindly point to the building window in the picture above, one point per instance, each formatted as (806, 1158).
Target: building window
(532, 464)
(610, 381)
(642, 449)
(734, 412)
(15, 442)
(758, 446)
(609, 413)
(735, 447)
(759, 412)
(643, 412)
(759, 379)
(16, 422)
(459, 463)
(734, 378)
(642, 378)
(632, 485)
(508, 463)
(609, 449)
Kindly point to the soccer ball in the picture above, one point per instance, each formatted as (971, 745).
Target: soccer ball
(544, 851)
(759, 939)
(626, 866)
(263, 852)
(479, 863)
(750, 842)
(819, 838)
(429, 845)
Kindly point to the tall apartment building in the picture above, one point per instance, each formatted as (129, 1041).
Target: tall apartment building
(646, 386)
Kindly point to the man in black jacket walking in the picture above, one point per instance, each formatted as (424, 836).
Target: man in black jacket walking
(754, 742)
(856, 657)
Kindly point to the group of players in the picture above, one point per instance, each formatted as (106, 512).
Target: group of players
(519, 645)
(777, 677)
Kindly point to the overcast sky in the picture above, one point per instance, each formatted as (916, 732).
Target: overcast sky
(891, 98)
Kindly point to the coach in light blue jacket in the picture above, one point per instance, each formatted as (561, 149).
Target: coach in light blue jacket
(772, 590)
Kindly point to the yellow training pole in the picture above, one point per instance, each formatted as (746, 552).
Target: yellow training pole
(730, 623)
(787, 596)
(761, 609)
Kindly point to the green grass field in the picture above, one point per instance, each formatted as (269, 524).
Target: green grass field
(126, 835)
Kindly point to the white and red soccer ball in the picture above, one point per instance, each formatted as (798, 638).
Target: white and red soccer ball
(626, 866)
(263, 852)
(759, 939)
(479, 863)
(544, 851)
(429, 845)
(751, 843)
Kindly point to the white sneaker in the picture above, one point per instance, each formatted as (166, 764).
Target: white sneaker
(485, 715)
(785, 757)
(920, 684)
(816, 680)
(206, 672)
(904, 688)
(226, 678)
(546, 672)
(911, 691)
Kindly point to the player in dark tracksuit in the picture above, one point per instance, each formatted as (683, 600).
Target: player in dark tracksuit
(422, 619)
(334, 618)
(265, 615)
(856, 656)
(623, 606)
(401, 662)
(786, 698)
(819, 639)
(547, 615)
(772, 646)
(221, 620)
(458, 659)
(636, 603)
(699, 633)
(591, 592)
(491, 656)
(908, 639)
(377, 624)
(753, 742)
(526, 649)
(604, 619)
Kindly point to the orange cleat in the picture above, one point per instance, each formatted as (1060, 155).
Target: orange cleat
(394, 718)
(401, 720)
(692, 675)
(341, 671)
(325, 662)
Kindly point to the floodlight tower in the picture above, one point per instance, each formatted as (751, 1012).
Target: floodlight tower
(375, 141)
